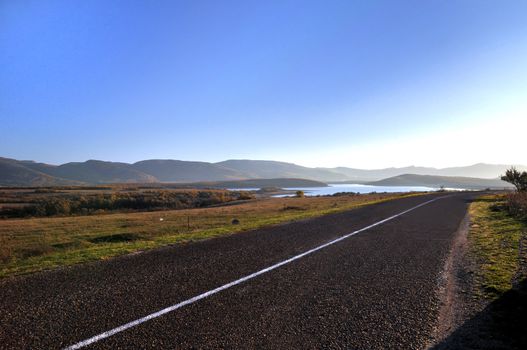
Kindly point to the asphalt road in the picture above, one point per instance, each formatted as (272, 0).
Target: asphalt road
(376, 289)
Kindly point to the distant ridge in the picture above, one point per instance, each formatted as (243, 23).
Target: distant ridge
(269, 169)
(168, 170)
(479, 170)
(29, 173)
(15, 173)
(258, 183)
(445, 181)
(94, 172)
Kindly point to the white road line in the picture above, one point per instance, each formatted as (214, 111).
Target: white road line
(159, 313)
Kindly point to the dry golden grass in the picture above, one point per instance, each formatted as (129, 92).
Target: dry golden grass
(28, 245)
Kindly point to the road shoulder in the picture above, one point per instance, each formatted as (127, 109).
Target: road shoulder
(484, 292)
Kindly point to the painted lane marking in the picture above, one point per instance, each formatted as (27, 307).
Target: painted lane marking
(166, 310)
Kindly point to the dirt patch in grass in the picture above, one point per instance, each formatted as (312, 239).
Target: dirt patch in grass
(116, 238)
(34, 250)
(289, 207)
(67, 245)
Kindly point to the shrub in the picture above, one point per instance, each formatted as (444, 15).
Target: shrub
(244, 195)
(516, 204)
(300, 194)
(517, 178)
(340, 194)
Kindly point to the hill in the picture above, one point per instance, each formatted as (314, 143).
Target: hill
(445, 181)
(258, 183)
(268, 169)
(15, 173)
(95, 172)
(29, 173)
(168, 170)
(480, 170)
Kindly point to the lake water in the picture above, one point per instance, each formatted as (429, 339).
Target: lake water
(335, 188)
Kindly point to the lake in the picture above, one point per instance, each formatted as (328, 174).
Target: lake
(357, 188)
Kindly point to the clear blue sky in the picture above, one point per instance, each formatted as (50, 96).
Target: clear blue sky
(352, 83)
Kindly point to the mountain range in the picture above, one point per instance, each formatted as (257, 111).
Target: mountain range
(437, 181)
(29, 173)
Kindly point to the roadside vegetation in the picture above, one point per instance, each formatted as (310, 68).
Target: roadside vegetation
(516, 178)
(33, 244)
(498, 236)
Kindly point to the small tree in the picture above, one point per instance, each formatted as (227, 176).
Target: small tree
(300, 194)
(517, 178)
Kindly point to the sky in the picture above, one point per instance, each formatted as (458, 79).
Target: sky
(365, 84)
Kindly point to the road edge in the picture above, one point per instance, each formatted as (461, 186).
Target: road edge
(450, 289)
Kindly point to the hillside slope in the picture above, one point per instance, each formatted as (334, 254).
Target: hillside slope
(29, 173)
(480, 170)
(15, 173)
(97, 171)
(257, 183)
(168, 170)
(438, 181)
(268, 169)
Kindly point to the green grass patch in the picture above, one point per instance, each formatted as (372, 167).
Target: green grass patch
(495, 244)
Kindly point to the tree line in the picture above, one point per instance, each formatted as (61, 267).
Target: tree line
(86, 204)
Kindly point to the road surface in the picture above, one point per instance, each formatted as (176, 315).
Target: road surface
(377, 288)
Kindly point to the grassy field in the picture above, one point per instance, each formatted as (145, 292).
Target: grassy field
(29, 245)
(495, 238)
